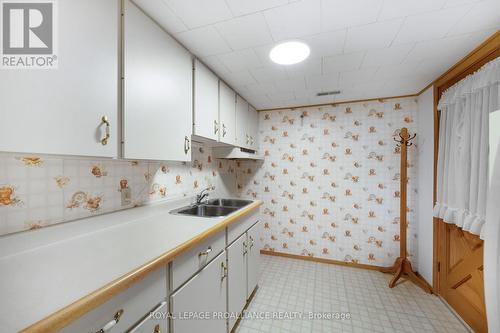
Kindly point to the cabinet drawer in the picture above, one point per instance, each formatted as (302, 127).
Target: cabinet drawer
(157, 323)
(195, 259)
(236, 229)
(135, 302)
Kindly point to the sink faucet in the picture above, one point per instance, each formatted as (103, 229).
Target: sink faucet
(202, 195)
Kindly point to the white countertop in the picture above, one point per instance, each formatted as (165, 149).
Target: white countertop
(45, 270)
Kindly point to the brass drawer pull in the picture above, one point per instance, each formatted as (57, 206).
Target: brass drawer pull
(216, 127)
(105, 121)
(186, 145)
(157, 329)
(224, 271)
(112, 323)
(206, 252)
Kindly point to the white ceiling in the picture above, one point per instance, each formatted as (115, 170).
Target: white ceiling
(365, 48)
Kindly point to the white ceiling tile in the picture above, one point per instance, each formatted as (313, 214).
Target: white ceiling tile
(197, 13)
(453, 3)
(326, 43)
(339, 14)
(243, 7)
(294, 20)
(350, 78)
(261, 88)
(239, 78)
(319, 83)
(281, 95)
(394, 71)
(430, 25)
(214, 63)
(240, 60)
(204, 41)
(310, 66)
(162, 14)
(387, 56)
(342, 62)
(295, 84)
(450, 49)
(402, 8)
(269, 73)
(372, 36)
(483, 15)
(307, 93)
(245, 31)
(263, 54)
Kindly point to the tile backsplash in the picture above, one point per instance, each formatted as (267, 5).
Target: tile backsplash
(41, 190)
(330, 181)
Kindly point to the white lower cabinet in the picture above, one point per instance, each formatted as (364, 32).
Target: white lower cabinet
(203, 295)
(154, 323)
(124, 311)
(253, 258)
(237, 278)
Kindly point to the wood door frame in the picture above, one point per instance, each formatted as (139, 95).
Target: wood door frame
(484, 53)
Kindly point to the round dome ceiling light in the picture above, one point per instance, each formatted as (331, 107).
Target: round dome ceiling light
(289, 53)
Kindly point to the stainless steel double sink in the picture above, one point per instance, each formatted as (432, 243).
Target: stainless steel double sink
(212, 208)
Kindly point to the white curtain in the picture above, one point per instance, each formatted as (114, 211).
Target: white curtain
(462, 175)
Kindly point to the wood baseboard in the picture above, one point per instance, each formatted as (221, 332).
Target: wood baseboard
(322, 260)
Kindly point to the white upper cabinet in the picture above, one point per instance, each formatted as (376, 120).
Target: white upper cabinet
(253, 127)
(60, 111)
(227, 114)
(157, 110)
(206, 102)
(242, 137)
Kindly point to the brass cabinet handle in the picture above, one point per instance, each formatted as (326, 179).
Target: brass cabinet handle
(224, 132)
(224, 271)
(216, 127)
(186, 145)
(157, 329)
(112, 323)
(105, 121)
(206, 252)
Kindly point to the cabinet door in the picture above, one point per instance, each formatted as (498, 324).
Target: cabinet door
(59, 111)
(253, 124)
(227, 114)
(237, 277)
(242, 137)
(253, 258)
(153, 322)
(157, 110)
(206, 102)
(205, 293)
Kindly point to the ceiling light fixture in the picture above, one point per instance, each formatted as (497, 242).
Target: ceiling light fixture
(289, 53)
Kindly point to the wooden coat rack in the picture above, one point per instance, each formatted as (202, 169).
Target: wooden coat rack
(402, 266)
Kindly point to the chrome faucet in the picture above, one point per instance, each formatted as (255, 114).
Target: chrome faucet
(202, 195)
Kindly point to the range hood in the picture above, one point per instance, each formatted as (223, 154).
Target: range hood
(236, 153)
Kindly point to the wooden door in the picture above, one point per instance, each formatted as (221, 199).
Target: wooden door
(59, 111)
(204, 293)
(461, 281)
(237, 277)
(227, 114)
(206, 102)
(157, 88)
